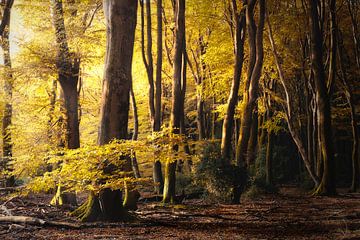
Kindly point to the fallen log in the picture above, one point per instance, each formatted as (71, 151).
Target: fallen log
(37, 221)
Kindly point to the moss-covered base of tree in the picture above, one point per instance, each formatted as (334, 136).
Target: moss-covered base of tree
(63, 198)
(89, 211)
(101, 208)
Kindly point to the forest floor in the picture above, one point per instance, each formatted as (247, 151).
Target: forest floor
(291, 214)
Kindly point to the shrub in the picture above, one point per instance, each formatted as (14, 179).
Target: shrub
(217, 180)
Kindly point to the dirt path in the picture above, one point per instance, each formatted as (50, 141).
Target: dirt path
(288, 215)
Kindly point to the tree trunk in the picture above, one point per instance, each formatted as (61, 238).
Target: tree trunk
(154, 97)
(288, 111)
(147, 56)
(177, 98)
(253, 143)
(354, 123)
(327, 184)
(251, 93)
(120, 18)
(355, 32)
(227, 130)
(134, 163)
(68, 73)
(268, 158)
(8, 91)
(158, 87)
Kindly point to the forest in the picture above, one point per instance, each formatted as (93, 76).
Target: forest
(179, 119)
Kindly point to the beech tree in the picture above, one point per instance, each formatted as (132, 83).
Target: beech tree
(239, 23)
(254, 72)
(177, 98)
(327, 184)
(7, 147)
(120, 23)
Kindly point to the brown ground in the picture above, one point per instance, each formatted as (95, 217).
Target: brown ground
(288, 215)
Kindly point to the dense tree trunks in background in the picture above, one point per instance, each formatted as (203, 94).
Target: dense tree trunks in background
(177, 98)
(355, 31)
(147, 55)
(288, 111)
(251, 93)
(155, 89)
(157, 168)
(8, 91)
(344, 61)
(227, 129)
(327, 184)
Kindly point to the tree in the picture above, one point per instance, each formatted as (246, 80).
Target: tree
(120, 23)
(154, 87)
(7, 151)
(240, 27)
(68, 68)
(253, 77)
(68, 71)
(327, 184)
(177, 98)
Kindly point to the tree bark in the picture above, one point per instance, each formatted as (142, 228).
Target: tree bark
(177, 98)
(68, 71)
(7, 147)
(288, 111)
(154, 89)
(251, 93)
(147, 55)
(120, 18)
(158, 81)
(134, 163)
(354, 123)
(227, 129)
(327, 184)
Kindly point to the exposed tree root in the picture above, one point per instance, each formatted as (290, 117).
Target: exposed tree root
(63, 198)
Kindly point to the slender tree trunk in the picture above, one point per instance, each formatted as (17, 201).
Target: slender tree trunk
(227, 129)
(154, 90)
(134, 163)
(355, 32)
(268, 158)
(288, 110)
(7, 147)
(147, 55)
(327, 184)
(354, 123)
(253, 143)
(176, 111)
(252, 92)
(158, 87)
